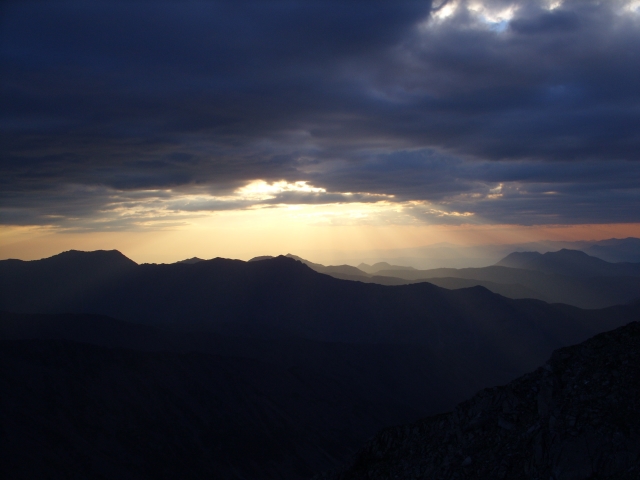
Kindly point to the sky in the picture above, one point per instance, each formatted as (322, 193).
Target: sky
(239, 128)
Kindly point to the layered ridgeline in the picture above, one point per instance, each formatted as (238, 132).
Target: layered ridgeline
(344, 359)
(566, 276)
(577, 417)
(284, 297)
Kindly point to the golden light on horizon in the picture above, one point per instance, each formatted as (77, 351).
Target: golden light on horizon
(323, 233)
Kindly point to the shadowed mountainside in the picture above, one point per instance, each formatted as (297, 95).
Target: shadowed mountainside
(485, 339)
(329, 397)
(406, 375)
(94, 412)
(282, 297)
(575, 418)
(397, 352)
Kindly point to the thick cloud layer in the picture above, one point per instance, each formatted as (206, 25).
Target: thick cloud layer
(491, 111)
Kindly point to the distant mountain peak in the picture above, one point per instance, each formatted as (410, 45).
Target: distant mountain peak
(191, 260)
(112, 257)
(261, 257)
(72, 252)
(518, 259)
(568, 262)
(280, 259)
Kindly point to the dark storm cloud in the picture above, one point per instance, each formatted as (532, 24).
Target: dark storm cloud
(519, 191)
(104, 100)
(114, 89)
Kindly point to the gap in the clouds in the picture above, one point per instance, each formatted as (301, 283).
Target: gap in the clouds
(496, 18)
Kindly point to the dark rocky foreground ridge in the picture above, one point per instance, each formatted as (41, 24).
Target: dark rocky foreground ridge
(577, 417)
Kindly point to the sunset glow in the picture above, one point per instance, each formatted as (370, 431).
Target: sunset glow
(464, 121)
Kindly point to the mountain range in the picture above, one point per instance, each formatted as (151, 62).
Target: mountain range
(566, 276)
(306, 366)
(441, 255)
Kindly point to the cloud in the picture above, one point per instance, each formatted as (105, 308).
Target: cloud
(365, 101)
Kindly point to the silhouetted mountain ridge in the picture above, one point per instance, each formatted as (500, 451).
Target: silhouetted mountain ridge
(345, 272)
(567, 276)
(76, 259)
(279, 294)
(191, 260)
(282, 297)
(396, 350)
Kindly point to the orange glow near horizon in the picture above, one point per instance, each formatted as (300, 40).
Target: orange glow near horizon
(244, 235)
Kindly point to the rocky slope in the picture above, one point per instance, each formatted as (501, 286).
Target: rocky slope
(577, 417)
